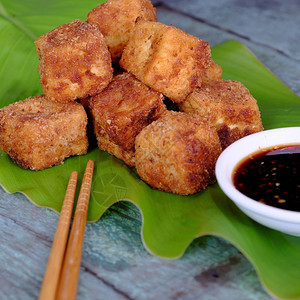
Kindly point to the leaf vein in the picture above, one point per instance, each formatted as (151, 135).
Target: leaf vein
(17, 23)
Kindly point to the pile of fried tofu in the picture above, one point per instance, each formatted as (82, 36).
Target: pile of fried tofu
(120, 68)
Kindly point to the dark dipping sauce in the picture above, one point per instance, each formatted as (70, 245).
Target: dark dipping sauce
(271, 176)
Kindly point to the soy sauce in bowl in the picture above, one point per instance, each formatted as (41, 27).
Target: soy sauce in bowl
(271, 176)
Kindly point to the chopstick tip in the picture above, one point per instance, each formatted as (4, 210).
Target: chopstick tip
(90, 163)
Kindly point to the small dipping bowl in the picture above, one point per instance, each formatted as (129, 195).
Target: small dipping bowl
(276, 218)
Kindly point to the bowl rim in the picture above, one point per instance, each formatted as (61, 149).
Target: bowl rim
(226, 164)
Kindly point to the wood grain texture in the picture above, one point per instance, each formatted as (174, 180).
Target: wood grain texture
(55, 261)
(115, 264)
(67, 287)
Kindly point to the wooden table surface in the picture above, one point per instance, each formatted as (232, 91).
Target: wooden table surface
(115, 264)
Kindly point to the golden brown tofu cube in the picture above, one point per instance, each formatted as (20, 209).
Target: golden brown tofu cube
(116, 19)
(177, 153)
(121, 111)
(74, 62)
(214, 72)
(229, 106)
(166, 59)
(37, 133)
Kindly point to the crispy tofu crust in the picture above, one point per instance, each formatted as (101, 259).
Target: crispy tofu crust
(229, 107)
(166, 59)
(177, 153)
(116, 19)
(121, 111)
(37, 133)
(214, 72)
(74, 62)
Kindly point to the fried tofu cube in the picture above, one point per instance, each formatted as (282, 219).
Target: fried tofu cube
(214, 72)
(116, 19)
(166, 59)
(177, 153)
(229, 106)
(121, 111)
(74, 62)
(38, 133)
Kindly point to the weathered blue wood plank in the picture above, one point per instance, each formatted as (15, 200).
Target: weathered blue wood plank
(115, 264)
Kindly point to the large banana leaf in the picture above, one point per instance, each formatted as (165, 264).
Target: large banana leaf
(170, 222)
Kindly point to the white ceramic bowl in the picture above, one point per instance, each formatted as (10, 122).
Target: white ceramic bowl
(283, 220)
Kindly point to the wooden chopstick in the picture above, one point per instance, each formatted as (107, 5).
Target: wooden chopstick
(55, 260)
(69, 277)
(61, 276)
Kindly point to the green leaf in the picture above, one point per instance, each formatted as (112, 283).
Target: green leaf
(170, 222)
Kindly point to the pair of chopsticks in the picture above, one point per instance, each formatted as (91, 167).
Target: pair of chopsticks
(61, 276)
